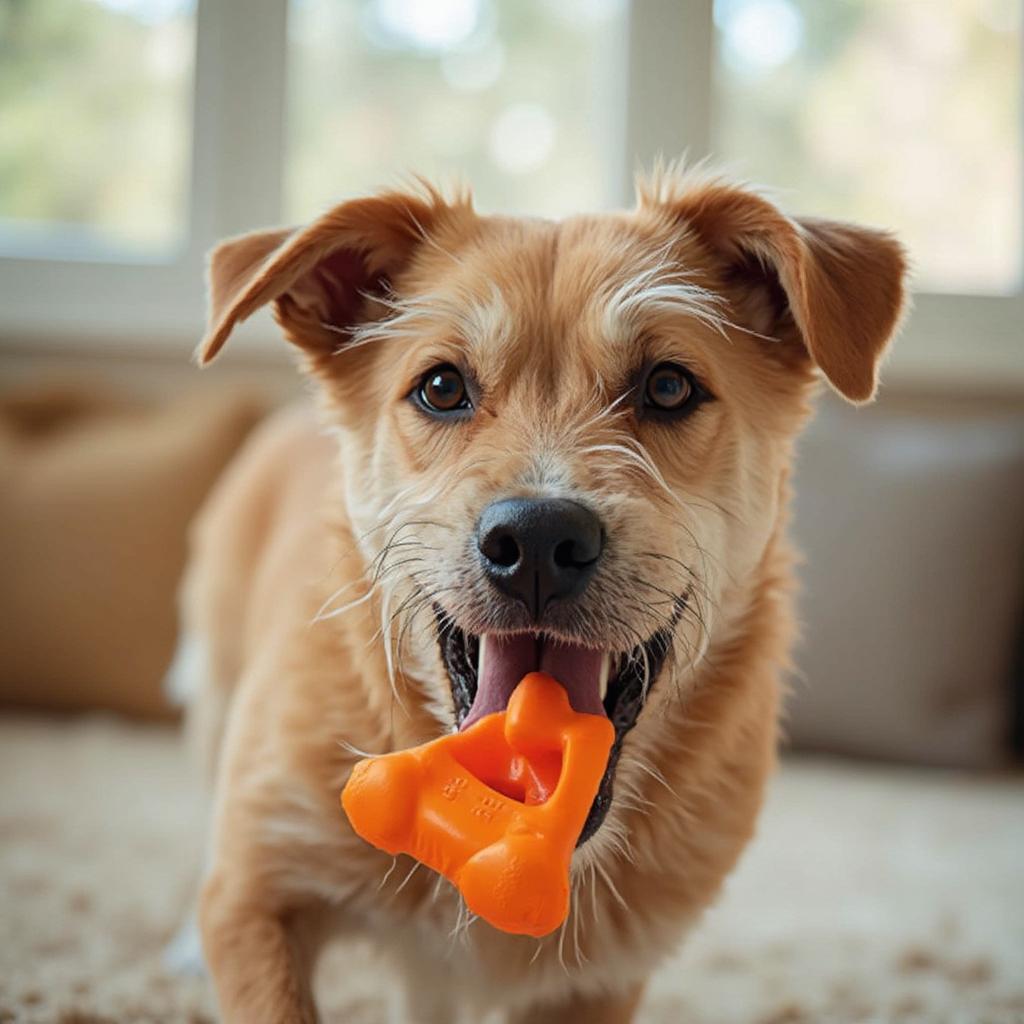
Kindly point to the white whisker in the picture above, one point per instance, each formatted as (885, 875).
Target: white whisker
(405, 881)
(611, 886)
(352, 749)
(387, 874)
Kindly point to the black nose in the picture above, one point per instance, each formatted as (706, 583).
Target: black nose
(537, 550)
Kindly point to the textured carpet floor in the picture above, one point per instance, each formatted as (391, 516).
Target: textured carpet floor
(872, 894)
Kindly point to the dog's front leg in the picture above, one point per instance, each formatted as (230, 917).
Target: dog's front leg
(591, 1009)
(261, 962)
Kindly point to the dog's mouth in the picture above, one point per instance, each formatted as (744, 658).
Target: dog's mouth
(484, 670)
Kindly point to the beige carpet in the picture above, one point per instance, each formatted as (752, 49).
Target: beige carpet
(872, 894)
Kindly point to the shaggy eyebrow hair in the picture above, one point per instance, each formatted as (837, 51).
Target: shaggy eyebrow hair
(658, 289)
(473, 318)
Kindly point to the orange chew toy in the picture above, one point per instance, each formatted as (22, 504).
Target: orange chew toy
(496, 809)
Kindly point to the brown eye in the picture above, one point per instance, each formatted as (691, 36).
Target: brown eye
(669, 388)
(443, 390)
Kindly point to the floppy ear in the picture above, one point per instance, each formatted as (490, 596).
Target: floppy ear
(318, 277)
(842, 285)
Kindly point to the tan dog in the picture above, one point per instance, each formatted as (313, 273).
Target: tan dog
(540, 444)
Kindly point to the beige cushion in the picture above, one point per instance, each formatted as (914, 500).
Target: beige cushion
(911, 518)
(96, 500)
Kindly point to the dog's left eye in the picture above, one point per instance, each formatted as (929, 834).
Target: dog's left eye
(443, 390)
(670, 388)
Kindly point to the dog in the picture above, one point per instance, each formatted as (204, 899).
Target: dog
(536, 444)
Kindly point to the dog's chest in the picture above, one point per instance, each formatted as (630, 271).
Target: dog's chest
(597, 949)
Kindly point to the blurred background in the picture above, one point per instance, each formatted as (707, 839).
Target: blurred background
(136, 133)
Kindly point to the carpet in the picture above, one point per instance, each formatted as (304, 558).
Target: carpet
(871, 894)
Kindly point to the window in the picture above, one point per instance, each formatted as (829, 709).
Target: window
(135, 133)
(516, 96)
(905, 114)
(96, 127)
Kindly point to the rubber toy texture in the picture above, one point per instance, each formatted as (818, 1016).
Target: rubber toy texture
(497, 809)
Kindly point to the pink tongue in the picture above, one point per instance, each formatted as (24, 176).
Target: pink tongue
(509, 658)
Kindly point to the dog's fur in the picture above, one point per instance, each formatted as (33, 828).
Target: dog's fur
(320, 558)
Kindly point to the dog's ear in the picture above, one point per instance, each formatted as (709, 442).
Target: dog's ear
(842, 285)
(317, 277)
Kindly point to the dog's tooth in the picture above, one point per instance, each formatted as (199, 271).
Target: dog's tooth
(606, 667)
(484, 638)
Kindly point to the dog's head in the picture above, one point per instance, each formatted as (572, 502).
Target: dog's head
(566, 444)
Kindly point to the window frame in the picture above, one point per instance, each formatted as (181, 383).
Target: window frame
(236, 180)
(234, 185)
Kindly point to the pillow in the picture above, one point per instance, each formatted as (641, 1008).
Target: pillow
(910, 515)
(94, 510)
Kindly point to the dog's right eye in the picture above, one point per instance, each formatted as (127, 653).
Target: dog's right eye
(443, 390)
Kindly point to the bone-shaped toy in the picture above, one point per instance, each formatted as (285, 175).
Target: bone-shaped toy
(497, 809)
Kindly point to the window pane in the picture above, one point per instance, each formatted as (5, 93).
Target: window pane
(516, 96)
(95, 129)
(901, 113)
